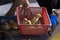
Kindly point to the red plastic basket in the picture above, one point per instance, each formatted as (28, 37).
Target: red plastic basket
(26, 29)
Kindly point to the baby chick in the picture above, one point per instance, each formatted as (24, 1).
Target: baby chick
(13, 24)
(26, 21)
(6, 26)
(36, 18)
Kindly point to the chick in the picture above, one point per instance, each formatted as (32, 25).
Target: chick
(6, 26)
(38, 15)
(36, 18)
(13, 24)
(26, 21)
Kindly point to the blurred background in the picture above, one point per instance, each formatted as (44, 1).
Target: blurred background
(8, 11)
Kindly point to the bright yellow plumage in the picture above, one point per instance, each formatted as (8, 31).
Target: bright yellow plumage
(33, 21)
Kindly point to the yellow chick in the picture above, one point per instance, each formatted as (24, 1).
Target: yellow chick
(36, 18)
(38, 15)
(26, 21)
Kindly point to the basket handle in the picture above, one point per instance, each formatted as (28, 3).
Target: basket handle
(17, 14)
(25, 3)
(25, 8)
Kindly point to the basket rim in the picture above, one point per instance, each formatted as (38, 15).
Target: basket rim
(34, 25)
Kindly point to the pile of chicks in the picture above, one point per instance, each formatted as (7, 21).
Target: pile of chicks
(10, 25)
(34, 20)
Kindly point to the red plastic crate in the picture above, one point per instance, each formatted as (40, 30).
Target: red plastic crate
(26, 29)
